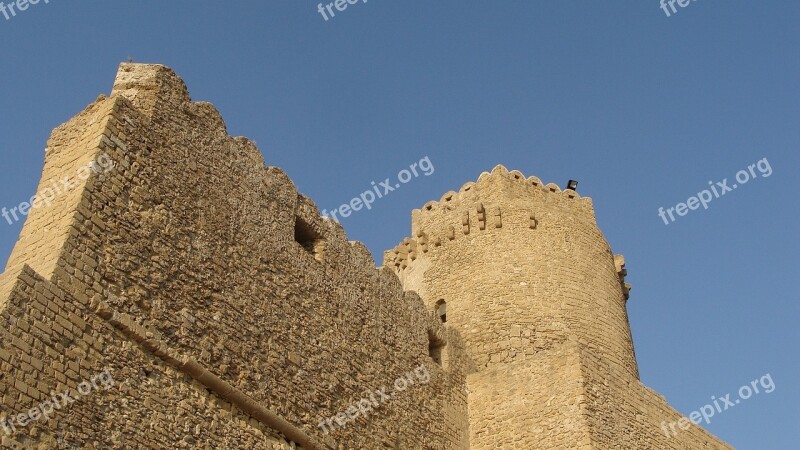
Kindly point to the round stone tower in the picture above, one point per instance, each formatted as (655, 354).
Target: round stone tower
(518, 269)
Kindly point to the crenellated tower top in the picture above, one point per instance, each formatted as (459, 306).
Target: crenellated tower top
(500, 199)
(518, 262)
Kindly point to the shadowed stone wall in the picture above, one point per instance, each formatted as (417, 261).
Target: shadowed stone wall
(191, 249)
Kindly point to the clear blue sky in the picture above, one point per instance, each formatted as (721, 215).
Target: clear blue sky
(642, 108)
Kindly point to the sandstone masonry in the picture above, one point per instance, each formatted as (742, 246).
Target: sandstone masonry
(231, 315)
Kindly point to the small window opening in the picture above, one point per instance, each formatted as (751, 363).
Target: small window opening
(309, 239)
(436, 349)
(441, 310)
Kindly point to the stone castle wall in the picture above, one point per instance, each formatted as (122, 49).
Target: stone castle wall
(523, 269)
(216, 258)
(52, 342)
(531, 285)
(544, 270)
(231, 315)
(623, 413)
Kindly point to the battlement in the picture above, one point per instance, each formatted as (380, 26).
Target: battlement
(622, 272)
(479, 219)
(501, 182)
(545, 267)
(500, 200)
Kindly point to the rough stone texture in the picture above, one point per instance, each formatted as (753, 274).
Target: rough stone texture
(531, 285)
(231, 315)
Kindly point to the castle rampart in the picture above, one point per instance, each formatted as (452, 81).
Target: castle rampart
(219, 259)
(231, 315)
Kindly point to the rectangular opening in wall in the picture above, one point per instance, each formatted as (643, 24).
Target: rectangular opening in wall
(441, 310)
(309, 239)
(436, 350)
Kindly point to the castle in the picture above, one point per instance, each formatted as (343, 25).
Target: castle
(187, 296)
